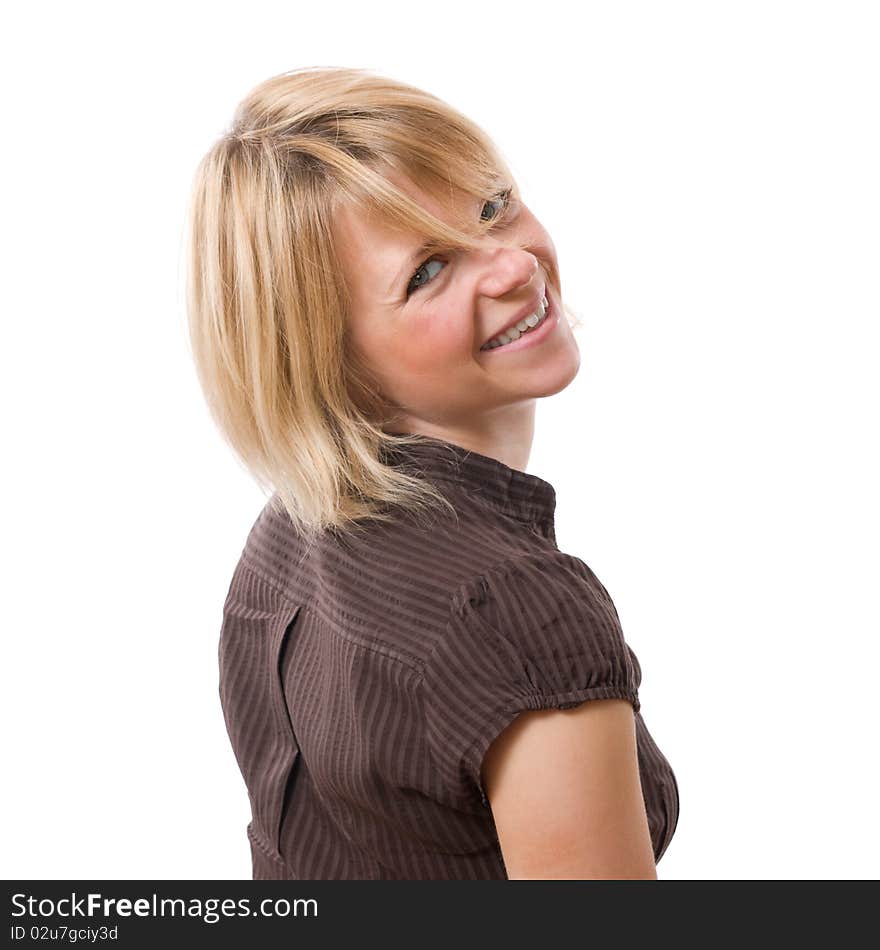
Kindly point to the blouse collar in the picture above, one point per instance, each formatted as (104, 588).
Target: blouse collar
(523, 496)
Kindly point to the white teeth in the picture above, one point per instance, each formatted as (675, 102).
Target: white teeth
(516, 331)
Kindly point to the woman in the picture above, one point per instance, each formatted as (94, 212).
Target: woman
(416, 682)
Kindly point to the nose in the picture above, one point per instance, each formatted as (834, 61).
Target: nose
(506, 269)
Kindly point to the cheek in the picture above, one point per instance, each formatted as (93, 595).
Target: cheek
(436, 340)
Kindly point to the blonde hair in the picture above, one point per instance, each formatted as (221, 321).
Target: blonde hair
(267, 301)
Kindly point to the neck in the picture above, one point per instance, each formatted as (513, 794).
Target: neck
(505, 434)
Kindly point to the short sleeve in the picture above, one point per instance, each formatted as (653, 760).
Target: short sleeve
(535, 632)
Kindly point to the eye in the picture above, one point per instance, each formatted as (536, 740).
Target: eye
(422, 267)
(503, 199)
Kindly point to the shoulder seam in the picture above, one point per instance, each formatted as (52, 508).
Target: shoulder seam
(502, 566)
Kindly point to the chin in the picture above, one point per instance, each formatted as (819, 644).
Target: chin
(548, 384)
(565, 373)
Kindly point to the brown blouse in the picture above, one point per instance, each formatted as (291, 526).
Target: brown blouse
(363, 679)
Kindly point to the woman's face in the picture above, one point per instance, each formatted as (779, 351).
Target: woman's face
(420, 323)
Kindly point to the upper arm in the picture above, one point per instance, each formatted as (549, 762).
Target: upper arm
(566, 796)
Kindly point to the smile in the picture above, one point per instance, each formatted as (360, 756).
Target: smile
(526, 325)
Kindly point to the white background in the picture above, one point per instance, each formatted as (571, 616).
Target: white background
(709, 174)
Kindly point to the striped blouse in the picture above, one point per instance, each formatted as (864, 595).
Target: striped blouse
(363, 679)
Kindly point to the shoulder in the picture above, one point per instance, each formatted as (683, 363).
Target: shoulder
(533, 593)
(530, 633)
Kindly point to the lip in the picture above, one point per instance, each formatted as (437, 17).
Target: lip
(525, 312)
(533, 337)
